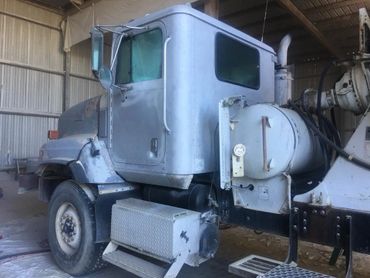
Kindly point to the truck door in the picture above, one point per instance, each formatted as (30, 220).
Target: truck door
(137, 134)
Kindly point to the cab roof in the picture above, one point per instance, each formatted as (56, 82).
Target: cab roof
(188, 10)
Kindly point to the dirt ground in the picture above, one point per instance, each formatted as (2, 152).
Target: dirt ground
(23, 225)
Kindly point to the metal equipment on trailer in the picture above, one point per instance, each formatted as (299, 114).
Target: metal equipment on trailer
(197, 128)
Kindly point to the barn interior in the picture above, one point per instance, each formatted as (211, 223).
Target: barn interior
(45, 65)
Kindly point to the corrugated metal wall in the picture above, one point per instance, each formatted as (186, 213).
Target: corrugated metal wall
(83, 84)
(32, 78)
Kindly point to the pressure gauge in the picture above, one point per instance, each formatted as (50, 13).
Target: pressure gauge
(239, 150)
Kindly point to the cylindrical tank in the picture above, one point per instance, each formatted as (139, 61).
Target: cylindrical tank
(274, 140)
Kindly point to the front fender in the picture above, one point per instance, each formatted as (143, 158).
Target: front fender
(64, 150)
(87, 157)
(94, 165)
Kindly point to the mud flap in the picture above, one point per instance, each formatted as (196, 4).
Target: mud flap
(27, 182)
(26, 174)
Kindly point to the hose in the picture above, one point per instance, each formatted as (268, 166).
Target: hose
(331, 144)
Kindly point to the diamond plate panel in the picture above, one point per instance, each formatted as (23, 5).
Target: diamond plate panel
(288, 271)
(155, 228)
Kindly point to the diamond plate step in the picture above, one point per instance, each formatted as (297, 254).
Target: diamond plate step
(288, 271)
(254, 266)
(138, 266)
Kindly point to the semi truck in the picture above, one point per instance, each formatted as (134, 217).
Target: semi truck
(197, 127)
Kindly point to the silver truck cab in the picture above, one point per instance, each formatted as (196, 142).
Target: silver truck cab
(159, 121)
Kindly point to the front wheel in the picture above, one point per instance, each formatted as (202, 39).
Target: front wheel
(72, 230)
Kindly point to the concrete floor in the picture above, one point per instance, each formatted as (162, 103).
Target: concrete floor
(23, 228)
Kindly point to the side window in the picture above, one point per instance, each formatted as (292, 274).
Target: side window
(140, 58)
(236, 62)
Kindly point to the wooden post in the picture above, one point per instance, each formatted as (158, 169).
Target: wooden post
(211, 7)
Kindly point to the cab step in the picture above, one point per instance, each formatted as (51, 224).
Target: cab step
(256, 266)
(135, 265)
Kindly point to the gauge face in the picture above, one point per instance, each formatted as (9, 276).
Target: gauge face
(239, 150)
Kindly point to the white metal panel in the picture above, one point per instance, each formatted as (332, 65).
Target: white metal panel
(80, 59)
(31, 78)
(110, 12)
(22, 136)
(15, 39)
(30, 90)
(82, 89)
(22, 9)
(31, 44)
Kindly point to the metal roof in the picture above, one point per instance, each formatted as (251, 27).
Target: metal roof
(336, 20)
(58, 4)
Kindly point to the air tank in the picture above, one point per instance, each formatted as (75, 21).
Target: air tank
(272, 140)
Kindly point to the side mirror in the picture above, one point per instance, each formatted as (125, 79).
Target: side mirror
(105, 77)
(97, 50)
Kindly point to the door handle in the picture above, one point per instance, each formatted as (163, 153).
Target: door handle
(165, 85)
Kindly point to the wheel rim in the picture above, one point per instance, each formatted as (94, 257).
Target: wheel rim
(68, 228)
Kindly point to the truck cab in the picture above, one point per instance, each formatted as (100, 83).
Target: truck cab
(159, 118)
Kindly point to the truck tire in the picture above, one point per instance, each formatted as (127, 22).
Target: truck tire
(71, 232)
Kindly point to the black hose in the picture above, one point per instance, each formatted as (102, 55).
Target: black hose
(333, 131)
(308, 117)
(32, 252)
(331, 144)
(333, 118)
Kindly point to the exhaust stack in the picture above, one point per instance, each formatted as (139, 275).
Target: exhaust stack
(283, 76)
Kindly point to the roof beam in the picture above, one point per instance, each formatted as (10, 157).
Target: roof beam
(73, 10)
(293, 10)
(336, 5)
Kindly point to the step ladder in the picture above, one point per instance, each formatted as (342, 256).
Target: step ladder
(254, 266)
(153, 240)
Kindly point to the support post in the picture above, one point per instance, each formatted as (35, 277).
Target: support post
(348, 245)
(67, 83)
(212, 8)
(293, 236)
